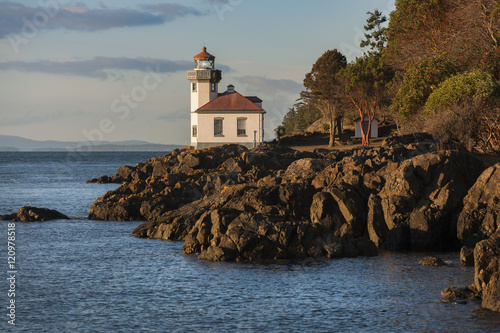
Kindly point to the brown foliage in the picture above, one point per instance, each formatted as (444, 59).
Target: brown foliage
(468, 30)
(472, 125)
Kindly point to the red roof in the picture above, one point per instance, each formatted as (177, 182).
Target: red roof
(254, 99)
(204, 55)
(231, 102)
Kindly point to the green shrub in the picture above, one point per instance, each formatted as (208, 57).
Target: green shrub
(477, 86)
(419, 82)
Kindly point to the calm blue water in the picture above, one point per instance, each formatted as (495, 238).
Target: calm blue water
(91, 276)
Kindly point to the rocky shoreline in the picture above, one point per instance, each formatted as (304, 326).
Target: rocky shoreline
(34, 214)
(229, 203)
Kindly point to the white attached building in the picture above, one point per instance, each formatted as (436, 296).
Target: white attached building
(221, 118)
(373, 129)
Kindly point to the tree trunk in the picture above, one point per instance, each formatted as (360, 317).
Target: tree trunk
(368, 131)
(332, 133)
(367, 134)
(339, 127)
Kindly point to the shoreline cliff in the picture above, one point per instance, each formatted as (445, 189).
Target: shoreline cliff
(228, 203)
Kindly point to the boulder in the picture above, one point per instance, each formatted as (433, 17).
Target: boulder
(189, 159)
(125, 172)
(325, 211)
(34, 214)
(407, 139)
(297, 198)
(422, 198)
(377, 228)
(8, 217)
(233, 165)
(480, 216)
(469, 292)
(467, 256)
(432, 261)
(487, 272)
(303, 170)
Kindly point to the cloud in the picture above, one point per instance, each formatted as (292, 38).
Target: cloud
(271, 86)
(15, 17)
(30, 117)
(101, 67)
(98, 67)
(172, 117)
(171, 11)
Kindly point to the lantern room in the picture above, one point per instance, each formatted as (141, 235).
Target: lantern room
(204, 60)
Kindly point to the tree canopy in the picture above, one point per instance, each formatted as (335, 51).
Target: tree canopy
(419, 82)
(324, 88)
(475, 86)
(435, 66)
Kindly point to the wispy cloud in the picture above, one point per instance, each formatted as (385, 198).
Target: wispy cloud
(13, 16)
(31, 117)
(172, 117)
(101, 67)
(98, 67)
(263, 83)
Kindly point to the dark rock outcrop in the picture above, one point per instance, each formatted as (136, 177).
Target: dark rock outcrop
(34, 214)
(432, 261)
(452, 293)
(229, 203)
(8, 217)
(487, 272)
(480, 217)
(420, 200)
(486, 286)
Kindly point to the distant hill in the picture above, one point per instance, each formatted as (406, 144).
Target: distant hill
(10, 143)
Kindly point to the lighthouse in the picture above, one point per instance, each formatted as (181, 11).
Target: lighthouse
(221, 118)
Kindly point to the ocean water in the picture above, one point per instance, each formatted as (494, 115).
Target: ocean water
(79, 275)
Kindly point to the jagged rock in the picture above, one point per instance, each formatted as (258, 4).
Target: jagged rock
(34, 214)
(421, 198)
(467, 256)
(8, 217)
(352, 206)
(408, 138)
(233, 165)
(303, 170)
(297, 198)
(432, 261)
(469, 292)
(106, 180)
(325, 211)
(487, 272)
(189, 159)
(125, 172)
(377, 228)
(480, 216)
(228, 203)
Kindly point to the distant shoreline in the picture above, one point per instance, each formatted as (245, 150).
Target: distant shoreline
(9, 143)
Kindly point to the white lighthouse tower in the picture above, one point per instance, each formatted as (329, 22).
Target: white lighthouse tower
(218, 119)
(204, 80)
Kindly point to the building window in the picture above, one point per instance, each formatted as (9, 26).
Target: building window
(195, 88)
(195, 131)
(242, 126)
(218, 130)
(214, 87)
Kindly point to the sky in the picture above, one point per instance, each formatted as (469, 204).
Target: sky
(116, 70)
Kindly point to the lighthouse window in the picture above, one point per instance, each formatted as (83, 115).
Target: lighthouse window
(195, 88)
(214, 87)
(195, 131)
(242, 126)
(218, 130)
